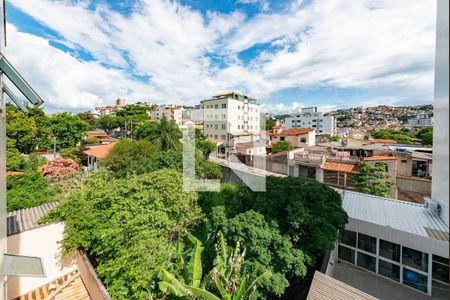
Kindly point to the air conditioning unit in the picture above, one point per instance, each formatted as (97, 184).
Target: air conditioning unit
(432, 206)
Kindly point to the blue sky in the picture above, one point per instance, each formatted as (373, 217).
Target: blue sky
(287, 54)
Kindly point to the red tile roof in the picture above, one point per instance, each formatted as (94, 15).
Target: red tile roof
(100, 151)
(296, 131)
(339, 167)
(384, 141)
(379, 157)
(277, 126)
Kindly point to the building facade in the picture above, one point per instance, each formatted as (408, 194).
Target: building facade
(230, 113)
(171, 112)
(311, 118)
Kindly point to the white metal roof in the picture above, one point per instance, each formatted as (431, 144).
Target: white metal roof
(401, 215)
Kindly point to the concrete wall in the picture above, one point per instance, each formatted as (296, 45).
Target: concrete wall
(440, 191)
(404, 168)
(41, 242)
(413, 188)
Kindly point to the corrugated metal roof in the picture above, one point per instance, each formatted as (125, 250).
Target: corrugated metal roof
(401, 215)
(26, 219)
(324, 287)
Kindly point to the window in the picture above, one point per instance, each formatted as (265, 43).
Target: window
(224, 116)
(390, 250)
(216, 106)
(216, 137)
(224, 105)
(282, 138)
(367, 243)
(346, 254)
(223, 137)
(239, 126)
(216, 126)
(415, 259)
(404, 161)
(348, 238)
(440, 269)
(224, 126)
(239, 107)
(389, 270)
(413, 279)
(303, 140)
(366, 261)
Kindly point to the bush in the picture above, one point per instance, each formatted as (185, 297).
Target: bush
(132, 157)
(73, 153)
(28, 190)
(128, 226)
(281, 146)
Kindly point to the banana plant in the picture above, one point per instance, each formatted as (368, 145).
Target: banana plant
(225, 277)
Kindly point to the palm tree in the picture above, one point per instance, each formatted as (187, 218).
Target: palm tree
(165, 134)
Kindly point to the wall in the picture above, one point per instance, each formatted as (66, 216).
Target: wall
(95, 287)
(41, 242)
(440, 191)
(404, 168)
(413, 188)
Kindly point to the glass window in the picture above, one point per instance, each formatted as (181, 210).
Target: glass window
(440, 259)
(413, 279)
(348, 237)
(367, 243)
(366, 261)
(346, 254)
(389, 270)
(390, 250)
(223, 126)
(224, 105)
(222, 137)
(415, 259)
(440, 272)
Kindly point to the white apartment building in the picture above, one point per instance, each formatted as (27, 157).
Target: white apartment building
(421, 121)
(311, 118)
(171, 112)
(230, 112)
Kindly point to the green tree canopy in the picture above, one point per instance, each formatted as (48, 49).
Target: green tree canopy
(12, 155)
(128, 226)
(109, 123)
(132, 157)
(43, 127)
(89, 119)
(400, 137)
(281, 146)
(22, 129)
(269, 124)
(373, 179)
(425, 135)
(68, 129)
(28, 190)
(165, 133)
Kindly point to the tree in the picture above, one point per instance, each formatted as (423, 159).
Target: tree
(266, 248)
(373, 179)
(22, 129)
(28, 190)
(281, 146)
(59, 168)
(165, 134)
(399, 136)
(12, 155)
(89, 119)
(269, 124)
(205, 146)
(68, 129)
(426, 136)
(333, 138)
(132, 157)
(42, 125)
(206, 169)
(73, 153)
(109, 123)
(128, 226)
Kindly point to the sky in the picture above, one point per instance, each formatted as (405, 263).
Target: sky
(287, 54)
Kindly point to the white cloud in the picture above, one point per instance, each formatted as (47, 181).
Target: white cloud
(384, 46)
